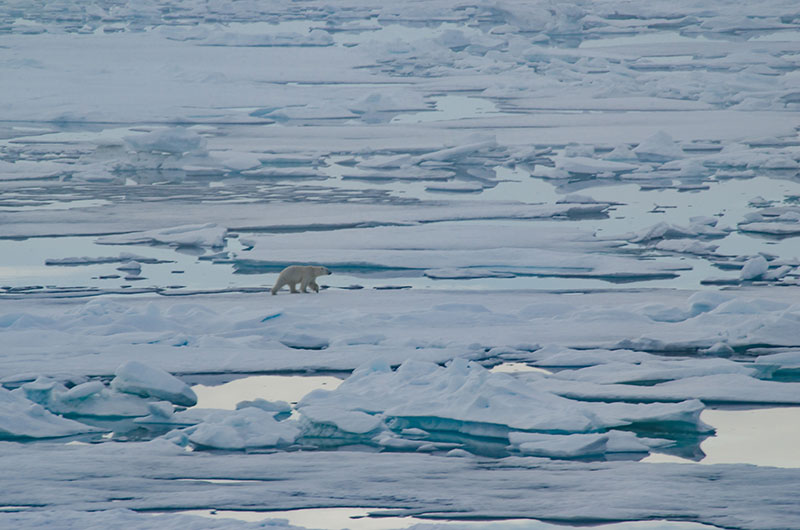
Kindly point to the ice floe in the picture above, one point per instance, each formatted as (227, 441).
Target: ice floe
(207, 235)
(246, 428)
(469, 399)
(23, 418)
(92, 398)
(140, 379)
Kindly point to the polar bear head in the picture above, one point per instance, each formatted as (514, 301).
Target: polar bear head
(321, 271)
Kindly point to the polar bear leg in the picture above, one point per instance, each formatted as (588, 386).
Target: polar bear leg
(304, 285)
(277, 286)
(293, 287)
(314, 286)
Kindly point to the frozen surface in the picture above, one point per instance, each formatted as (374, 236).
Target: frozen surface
(561, 236)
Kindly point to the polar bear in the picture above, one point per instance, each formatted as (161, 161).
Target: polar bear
(302, 274)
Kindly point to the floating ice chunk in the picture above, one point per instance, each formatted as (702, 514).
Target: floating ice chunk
(380, 107)
(245, 428)
(276, 407)
(124, 257)
(29, 169)
(547, 172)
(558, 356)
(719, 349)
(778, 273)
(781, 162)
(303, 341)
(664, 313)
(22, 418)
(559, 446)
(789, 360)
(458, 453)
(759, 202)
(317, 420)
(236, 160)
(739, 306)
(704, 301)
(754, 268)
(582, 445)
(628, 442)
(131, 266)
(720, 388)
(454, 153)
(658, 148)
(687, 246)
(575, 198)
(689, 168)
(138, 378)
(177, 141)
(87, 399)
(622, 153)
(465, 397)
(670, 231)
(654, 370)
(207, 235)
(591, 166)
(161, 413)
(776, 228)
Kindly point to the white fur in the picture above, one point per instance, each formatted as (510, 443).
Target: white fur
(302, 274)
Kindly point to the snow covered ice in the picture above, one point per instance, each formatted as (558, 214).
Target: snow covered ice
(563, 239)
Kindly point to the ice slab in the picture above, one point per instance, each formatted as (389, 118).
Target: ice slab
(207, 235)
(467, 398)
(410, 484)
(91, 398)
(23, 418)
(141, 379)
(582, 445)
(656, 370)
(245, 428)
(719, 388)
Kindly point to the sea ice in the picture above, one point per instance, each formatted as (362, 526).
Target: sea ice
(246, 428)
(754, 268)
(658, 148)
(718, 388)
(582, 445)
(331, 422)
(173, 141)
(207, 235)
(582, 165)
(92, 398)
(135, 377)
(466, 398)
(22, 418)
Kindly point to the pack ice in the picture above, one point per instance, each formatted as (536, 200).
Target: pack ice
(561, 234)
